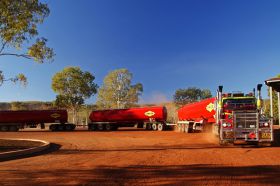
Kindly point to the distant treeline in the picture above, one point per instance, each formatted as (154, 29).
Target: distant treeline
(27, 105)
(41, 105)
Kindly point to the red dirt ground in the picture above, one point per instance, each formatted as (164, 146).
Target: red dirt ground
(137, 157)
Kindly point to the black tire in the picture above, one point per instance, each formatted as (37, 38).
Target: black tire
(61, 127)
(53, 127)
(160, 127)
(140, 125)
(92, 127)
(154, 126)
(13, 128)
(4, 128)
(100, 127)
(73, 126)
(114, 128)
(108, 127)
(68, 127)
(148, 126)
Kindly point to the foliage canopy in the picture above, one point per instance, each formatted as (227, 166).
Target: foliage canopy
(73, 86)
(18, 27)
(189, 95)
(117, 91)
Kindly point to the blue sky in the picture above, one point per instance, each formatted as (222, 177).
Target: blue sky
(166, 44)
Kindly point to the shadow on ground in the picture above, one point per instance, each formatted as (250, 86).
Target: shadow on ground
(53, 147)
(152, 175)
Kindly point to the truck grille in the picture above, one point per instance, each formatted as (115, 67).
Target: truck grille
(246, 125)
(245, 120)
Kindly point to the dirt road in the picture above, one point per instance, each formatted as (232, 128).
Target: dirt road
(136, 157)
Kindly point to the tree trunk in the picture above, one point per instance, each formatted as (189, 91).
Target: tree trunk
(74, 116)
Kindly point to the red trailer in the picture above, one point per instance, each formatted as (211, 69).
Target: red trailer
(193, 116)
(203, 110)
(14, 120)
(147, 117)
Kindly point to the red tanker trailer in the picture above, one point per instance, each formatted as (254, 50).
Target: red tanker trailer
(14, 120)
(147, 117)
(192, 116)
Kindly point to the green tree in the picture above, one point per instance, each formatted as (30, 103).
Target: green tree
(18, 28)
(117, 91)
(205, 93)
(189, 95)
(73, 86)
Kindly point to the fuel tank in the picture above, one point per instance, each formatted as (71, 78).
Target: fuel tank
(202, 110)
(141, 114)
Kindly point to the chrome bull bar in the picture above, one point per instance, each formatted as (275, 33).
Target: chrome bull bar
(246, 128)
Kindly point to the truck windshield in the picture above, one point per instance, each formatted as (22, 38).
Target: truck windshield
(239, 104)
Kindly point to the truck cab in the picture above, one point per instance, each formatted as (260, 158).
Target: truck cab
(239, 120)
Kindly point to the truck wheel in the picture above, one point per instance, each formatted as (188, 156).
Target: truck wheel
(61, 127)
(140, 125)
(13, 128)
(148, 126)
(4, 128)
(68, 127)
(154, 126)
(53, 127)
(92, 127)
(73, 126)
(100, 127)
(114, 128)
(108, 127)
(160, 127)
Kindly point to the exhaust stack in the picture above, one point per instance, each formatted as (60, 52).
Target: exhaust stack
(220, 94)
(219, 103)
(259, 98)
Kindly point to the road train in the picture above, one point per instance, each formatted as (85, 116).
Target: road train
(232, 116)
